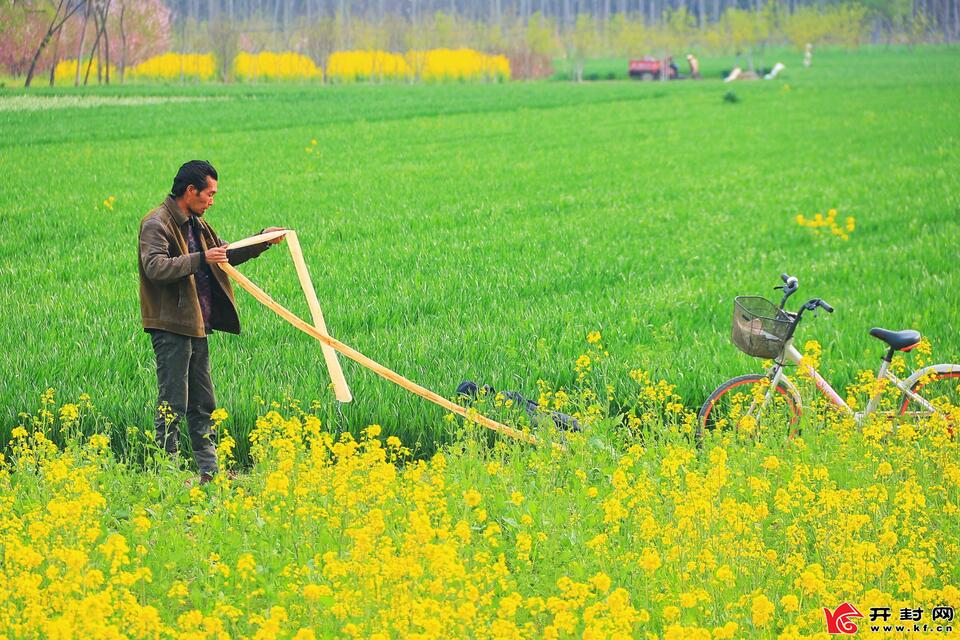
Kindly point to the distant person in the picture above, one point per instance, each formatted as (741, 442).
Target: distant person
(183, 300)
(808, 56)
(694, 66)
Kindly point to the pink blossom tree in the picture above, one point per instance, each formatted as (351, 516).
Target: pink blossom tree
(26, 28)
(142, 29)
(36, 34)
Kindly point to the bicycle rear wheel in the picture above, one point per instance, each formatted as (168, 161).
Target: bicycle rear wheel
(738, 404)
(939, 388)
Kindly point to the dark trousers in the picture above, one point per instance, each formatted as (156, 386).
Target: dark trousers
(185, 389)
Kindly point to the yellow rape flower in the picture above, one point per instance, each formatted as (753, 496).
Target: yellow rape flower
(761, 610)
(671, 613)
(601, 581)
(790, 603)
(649, 560)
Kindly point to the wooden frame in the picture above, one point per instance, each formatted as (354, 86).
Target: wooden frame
(330, 345)
(340, 387)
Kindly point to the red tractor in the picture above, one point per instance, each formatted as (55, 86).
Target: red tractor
(650, 68)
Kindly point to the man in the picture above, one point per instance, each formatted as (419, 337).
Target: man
(182, 300)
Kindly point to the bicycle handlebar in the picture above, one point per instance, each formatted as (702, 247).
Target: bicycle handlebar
(813, 303)
(790, 281)
(790, 286)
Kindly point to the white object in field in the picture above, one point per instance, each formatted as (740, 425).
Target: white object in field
(808, 55)
(777, 68)
(733, 74)
(340, 387)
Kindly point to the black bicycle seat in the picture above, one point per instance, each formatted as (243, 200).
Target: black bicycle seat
(899, 340)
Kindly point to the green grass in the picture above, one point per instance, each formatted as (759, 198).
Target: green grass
(480, 231)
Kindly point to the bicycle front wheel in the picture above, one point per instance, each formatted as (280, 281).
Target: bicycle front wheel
(939, 388)
(738, 404)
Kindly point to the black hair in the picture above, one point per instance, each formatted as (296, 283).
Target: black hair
(193, 173)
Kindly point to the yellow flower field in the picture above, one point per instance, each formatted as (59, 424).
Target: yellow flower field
(173, 66)
(352, 66)
(275, 66)
(629, 532)
(66, 71)
(435, 65)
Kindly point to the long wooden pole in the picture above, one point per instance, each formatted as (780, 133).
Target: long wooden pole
(376, 367)
(340, 387)
(258, 239)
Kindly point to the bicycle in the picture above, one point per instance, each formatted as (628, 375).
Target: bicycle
(765, 330)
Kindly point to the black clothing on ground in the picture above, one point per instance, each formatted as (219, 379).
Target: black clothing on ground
(469, 389)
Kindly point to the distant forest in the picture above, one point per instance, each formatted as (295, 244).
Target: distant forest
(38, 36)
(940, 17)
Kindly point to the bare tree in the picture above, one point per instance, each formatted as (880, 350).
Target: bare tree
(123, 41)
(56, 57)
(63, 10)
(83, 33)
(95, 49)
(223, 33)
(106, 42)
(100, 12)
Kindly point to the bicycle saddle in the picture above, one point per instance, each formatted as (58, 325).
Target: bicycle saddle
(900, 340)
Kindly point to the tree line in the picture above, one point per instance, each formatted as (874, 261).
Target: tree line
(100, 34)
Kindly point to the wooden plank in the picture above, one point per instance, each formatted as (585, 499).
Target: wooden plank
(376, 367)
(257, 239)
(340, 387)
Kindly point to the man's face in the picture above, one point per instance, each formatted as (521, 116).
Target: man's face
(199, 201)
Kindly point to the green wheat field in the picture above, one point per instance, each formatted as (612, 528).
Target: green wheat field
(481, 231)
(581, 244)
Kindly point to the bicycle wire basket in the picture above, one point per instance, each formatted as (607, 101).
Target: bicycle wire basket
(760, 328)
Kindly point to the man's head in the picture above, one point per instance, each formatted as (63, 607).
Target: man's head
(195, 186)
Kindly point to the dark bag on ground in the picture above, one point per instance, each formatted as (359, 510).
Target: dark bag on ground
(538, 418)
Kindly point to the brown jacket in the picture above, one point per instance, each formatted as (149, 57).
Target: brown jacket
(168, 292)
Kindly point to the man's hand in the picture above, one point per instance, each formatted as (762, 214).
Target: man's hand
(275, 240)
(215, 255)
